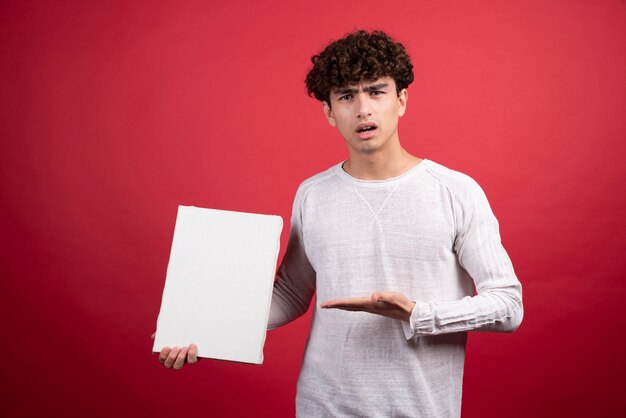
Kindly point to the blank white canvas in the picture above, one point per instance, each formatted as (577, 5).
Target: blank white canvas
(219, 283)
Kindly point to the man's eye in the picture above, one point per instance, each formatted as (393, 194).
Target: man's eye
(377, 93)
(345, 97)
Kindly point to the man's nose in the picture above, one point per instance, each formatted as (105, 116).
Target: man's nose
(363, 106)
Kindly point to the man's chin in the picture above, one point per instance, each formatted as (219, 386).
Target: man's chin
(365, 147)
(369, 148)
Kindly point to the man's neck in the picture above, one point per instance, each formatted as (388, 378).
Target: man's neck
(380, 165)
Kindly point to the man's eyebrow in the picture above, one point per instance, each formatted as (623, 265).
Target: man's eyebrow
(345, 90)
(375, 87)
(352, 90)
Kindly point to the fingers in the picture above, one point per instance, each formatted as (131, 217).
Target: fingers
(192, 354)
(346, 302)
(180, 359)
(171, 357)
(176, 357)
(355, 308)
(165, 352)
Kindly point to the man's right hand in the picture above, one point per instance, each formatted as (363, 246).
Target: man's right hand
(177, 357)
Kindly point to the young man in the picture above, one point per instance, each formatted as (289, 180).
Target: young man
(400, 240)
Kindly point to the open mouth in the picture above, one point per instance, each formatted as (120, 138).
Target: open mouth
(365, 127)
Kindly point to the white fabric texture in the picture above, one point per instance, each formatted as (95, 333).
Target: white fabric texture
(430, 234)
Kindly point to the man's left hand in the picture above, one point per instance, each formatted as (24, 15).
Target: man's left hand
(391, 304)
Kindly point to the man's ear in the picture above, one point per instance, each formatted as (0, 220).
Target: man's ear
(328, 112)
(403, 97)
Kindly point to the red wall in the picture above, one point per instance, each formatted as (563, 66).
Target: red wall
(113, 113)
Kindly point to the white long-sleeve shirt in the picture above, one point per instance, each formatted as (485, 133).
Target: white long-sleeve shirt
(430, 234)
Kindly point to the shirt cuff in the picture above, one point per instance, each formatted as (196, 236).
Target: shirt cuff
(420, 321)
(408, 329)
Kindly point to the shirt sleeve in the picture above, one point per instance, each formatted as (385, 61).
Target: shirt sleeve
(294, 286)
(497, 305)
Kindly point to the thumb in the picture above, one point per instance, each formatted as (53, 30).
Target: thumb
(383, 297)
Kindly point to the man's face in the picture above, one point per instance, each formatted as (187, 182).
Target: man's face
(367, 114)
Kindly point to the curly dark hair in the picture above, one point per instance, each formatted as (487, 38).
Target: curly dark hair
(359, 56)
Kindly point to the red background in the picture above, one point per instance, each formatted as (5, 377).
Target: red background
(113, 113)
